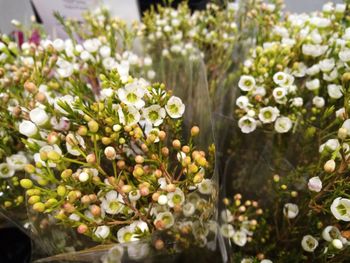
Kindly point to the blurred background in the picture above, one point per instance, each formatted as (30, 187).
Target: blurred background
(21, 9)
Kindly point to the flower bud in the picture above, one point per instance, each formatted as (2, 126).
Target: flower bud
(85, 200)
(159, 244)
(93, 126)
(39, 207)
(162, 199)
(34, 199)
(26, 183)
(121, 164)
(336, 243)
(54, 156)
(165, 151)
(194, 131)
(126, 188)
(53, 138)
(139, 159)
(83, 177)
(110, 153)
(66, 174)
(138, 171)
(29, 168)
(342, 133)
(82, 131)
(30, 87)
(91, 158)
(177, 144)
(329, 166)
(170, 188)
(82, 229)
(61, 190)
(95, 210)
(162, 135)
(144, 190)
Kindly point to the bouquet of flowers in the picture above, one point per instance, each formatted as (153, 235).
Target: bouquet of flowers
(292, 115)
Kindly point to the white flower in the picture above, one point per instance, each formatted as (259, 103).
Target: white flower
(28, 128)
(105, 51)
(74, 217)
(246, 83)
(340, 8)
(188, 209)
(67, 99)
(176, 198)
(297, 102)
(134, 195)
(259, 91)
(240, 238)
(340, 113)
(340, 208)
(137, 251)
(162, 199)
(58, 44)
(314, 50)
(309, 243)
(132, 95)
(283, 79)
(112, 202)
(205, 187)
(344, 55)
(331, 145)
(346, 125)
(227, 230)
(279, 93)
(17, 161)
(6, 171)
(110, 63)
(83, 177)
(334, 91)
(247, 124)
(39, 116)
(242, 102)
(78, 143)
(331, 76)
(65, 69)
(85, 56)
(315, 184)
(318, 102)
(226, 216)
(268, 114)
(338, 244)
(175, 108)
(283, 124)
(131, 116)
(330, 233)
(154, 114)
(166, 218)
(102, 232)
(327, 65)
(313, 84)
(315, 69)
(92, 45)
(126, 234)
(266, 261)
(290, 210)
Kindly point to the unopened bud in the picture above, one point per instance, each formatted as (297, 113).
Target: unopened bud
(329, 166)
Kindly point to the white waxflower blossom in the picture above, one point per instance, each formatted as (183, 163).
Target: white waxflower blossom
(290, 210)
(344, 55)
(226, 216)
(205, 187)
(17, 161)
(110, 63)
(188, 209)
(331, 145)
(154, 114)
(126, 234)
(297, 102)
(266, 261)
(330, 77)
(166, 218)
(247, 124)
(134, 195)
(268, 114)
(123, 70)
(259, 91)
(67, 99)
(162, 200)
(174, 107)
(340, 113)
(105, 51)
(340, 209)
(176, 198)
(242, 102)
(92, 45)
(315, 69)
(78, 143)
(346, 125)
(28, 128)
(314, 50)
(334, 91)
(340, 8)
(65, 68)
(280, 78)
(130, 117)
(320, 22)
(330, 233)
(279, 93)
(132, 95)
(39, 116)
(58, 44)
(315, 184)
(240, 238)
(112, 203)
(318, 102)
(327, 65)
(313, 84)
(283, 124)
(227, 230)
(6, 171)
(147, 61)
(246, 83)
(102, 232)
(309, 243)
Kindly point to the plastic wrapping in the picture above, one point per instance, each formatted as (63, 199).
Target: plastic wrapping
(189, 84)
